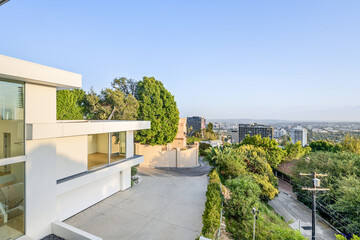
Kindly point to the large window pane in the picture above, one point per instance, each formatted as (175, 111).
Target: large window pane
(12, 201)
(98, 150)
(118, 146)
(11, 119)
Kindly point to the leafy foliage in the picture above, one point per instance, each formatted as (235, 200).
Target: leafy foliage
(202, 148)
(69, 104)
(296, 151)
(110, 104)
(125, 85)
(340, 237)
(209, 128)
(321, 145)
(274, 154)
(156, 104)
(350, 144)
(191, 140)
(248, 175)
(211, 215)
(341, 203)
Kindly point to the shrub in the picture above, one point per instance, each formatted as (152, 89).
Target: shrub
(211, 216)
(191, 140)
(133, 171)
(202, 148)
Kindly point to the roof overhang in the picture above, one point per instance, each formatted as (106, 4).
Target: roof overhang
(20, 70)
(60, 129)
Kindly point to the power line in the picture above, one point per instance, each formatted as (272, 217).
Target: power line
(314, 189)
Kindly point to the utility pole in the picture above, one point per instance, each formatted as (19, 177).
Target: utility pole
(254, 212)
(316, 187)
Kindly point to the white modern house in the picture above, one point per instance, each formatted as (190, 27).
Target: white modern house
(50, 170)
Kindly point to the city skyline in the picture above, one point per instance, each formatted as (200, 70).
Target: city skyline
(281, 60)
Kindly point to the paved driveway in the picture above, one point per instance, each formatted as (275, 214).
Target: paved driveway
(167, 204)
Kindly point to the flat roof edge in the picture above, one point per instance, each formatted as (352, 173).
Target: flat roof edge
(25, 71)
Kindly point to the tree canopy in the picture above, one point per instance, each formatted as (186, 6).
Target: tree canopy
(69, 104)
(156, 104)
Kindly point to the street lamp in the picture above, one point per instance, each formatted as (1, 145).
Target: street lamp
(254, 212)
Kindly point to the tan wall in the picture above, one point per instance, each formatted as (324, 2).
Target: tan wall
(98, 143)
(180, 139)
(188, 157)
(162, 156)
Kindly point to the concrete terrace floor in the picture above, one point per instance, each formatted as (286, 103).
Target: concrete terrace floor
(167, 204)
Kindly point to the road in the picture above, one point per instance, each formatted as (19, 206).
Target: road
(293, 212)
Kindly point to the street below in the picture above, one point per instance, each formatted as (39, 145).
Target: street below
(298, 215)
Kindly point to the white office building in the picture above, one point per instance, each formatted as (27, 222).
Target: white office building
(278, 133)
(51, 170)
(299, 134)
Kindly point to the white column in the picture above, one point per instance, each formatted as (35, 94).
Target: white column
(129, 144)
(125, 179)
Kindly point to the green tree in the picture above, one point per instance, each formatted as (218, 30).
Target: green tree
(70, 104)
(210, 128)
(296, 151)
(156, 104)
(111, 104)
(274, 154)
(125, 85)
(321, 145)
(350, 144)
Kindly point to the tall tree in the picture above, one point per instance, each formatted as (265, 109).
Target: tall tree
(110, 104)
(125, 85)
(156, 104)
(210, 128)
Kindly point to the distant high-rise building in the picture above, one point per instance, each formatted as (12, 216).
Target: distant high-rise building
(299, 134)
(255, 129)
(234, 134)
(279, 133)
(197, 123)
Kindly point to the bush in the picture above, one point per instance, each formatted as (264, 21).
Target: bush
(191, 140)
(202, 148)
(133, 171)
(211, 216)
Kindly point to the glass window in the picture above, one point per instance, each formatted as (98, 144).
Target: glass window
(98, 150)
(12, 201)
(106, 148)
(11, 119)
(118, 146)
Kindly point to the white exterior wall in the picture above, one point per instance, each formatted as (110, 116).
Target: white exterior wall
(71, 156)
(129, 144)
(72, 202)
(40, 187)
(40, 103)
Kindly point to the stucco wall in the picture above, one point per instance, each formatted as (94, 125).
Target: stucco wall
(40, 188)
(71, 156)
(40, 103)
(160, 156)
(74, 201)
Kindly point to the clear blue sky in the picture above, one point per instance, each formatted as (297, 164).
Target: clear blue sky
(294, 60)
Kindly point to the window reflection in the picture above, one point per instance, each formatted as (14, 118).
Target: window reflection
(118, 146)
(11, 119)
(98, 149)
(12, 201)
